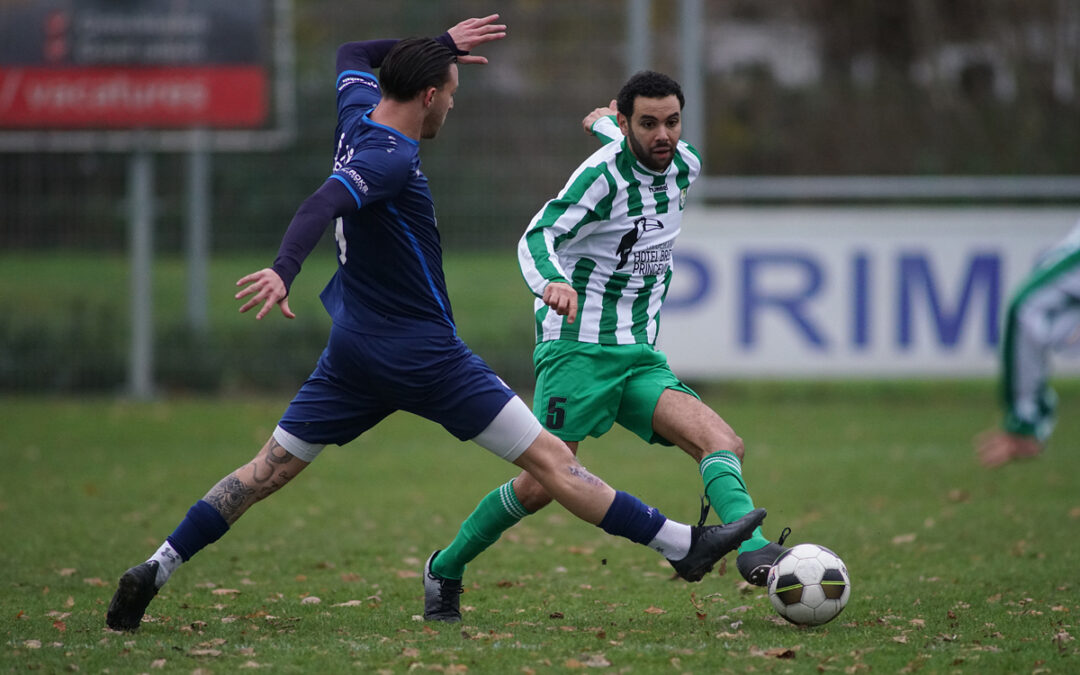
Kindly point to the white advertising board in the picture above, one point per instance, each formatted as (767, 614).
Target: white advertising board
(820, 292)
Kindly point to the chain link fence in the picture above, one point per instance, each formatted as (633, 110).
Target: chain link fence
(819, 87)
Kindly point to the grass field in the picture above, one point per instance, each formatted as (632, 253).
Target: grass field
(954, 569)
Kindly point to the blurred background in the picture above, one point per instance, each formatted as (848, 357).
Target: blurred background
(905, 103)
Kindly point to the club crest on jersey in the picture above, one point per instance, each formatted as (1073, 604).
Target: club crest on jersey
(343, 155)
(626, 244)
(682, 199)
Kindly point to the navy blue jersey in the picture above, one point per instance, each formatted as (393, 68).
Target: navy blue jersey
(389, 279)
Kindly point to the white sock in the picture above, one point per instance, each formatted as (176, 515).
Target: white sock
(168, 560)
(672, 541)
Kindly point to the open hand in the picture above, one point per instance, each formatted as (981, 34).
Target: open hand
(471, 33)
(266, 287)
(995, 448)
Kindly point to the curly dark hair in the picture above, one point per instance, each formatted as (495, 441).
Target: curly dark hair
(650, 84)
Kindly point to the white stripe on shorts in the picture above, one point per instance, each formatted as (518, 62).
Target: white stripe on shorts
(302, 449)
(511, 432)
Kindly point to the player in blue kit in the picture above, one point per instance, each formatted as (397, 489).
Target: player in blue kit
(393, 345)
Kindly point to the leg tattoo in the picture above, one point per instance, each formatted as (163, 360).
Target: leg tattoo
(229, 497)
(252, 482)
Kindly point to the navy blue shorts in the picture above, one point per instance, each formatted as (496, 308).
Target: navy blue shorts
(360, 379)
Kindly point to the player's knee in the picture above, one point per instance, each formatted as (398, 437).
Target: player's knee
(735, 444)
(530, 493)
(546, 462)
(535, 499)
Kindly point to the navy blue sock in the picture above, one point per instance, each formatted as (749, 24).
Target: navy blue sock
(202, 526)
(630, 517)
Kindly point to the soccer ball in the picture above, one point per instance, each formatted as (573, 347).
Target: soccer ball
(809, 585)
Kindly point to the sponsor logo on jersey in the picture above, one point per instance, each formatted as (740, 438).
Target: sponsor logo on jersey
(626, 244)
(356, 179)
(349, 80)
(654, 260)
(657, 188)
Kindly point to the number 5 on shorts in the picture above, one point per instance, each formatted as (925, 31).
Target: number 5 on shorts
(556, 414)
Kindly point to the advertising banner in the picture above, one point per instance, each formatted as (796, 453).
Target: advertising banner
(819, 292)
(157, 64)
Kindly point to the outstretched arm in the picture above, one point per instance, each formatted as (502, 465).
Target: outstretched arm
(368, 55)
(270, 286)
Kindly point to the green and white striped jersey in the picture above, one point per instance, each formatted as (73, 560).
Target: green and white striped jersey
(1043, 316)
(609, 233)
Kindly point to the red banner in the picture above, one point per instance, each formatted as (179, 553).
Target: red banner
(126, 97)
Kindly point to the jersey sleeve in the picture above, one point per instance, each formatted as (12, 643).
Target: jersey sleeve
(607, 130)
(328, 202)
(373, 174)
(586, 198)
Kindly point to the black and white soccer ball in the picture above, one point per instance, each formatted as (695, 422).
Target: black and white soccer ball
(809, 585)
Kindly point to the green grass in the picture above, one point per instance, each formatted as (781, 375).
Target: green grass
(954, 569)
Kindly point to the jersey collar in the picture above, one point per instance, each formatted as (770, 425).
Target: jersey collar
(366, 119)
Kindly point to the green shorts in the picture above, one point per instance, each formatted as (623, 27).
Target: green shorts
(583, 388)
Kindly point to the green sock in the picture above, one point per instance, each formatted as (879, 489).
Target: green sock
(722, 474)
(497, 512)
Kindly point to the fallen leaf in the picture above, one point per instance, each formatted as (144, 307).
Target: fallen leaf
(205, 652)
(225, 591)
(597, 661)
(904, 538)
(654, 610)
(902, 639)
(32, 644)
(349, 603)
(60, 626)
(157, 663)
(555, 615)
(774, 652)
(408, 574)
(95, 581)
(66, 572)
(311, 600)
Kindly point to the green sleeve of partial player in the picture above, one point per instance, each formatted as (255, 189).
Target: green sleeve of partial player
(607, 130)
